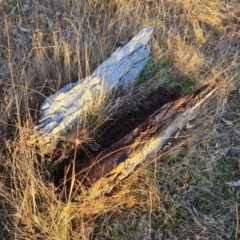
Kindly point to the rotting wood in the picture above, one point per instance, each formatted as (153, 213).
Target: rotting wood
(69, 105)
(121, 159)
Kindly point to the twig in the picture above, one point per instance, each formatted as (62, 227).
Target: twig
(236, 233)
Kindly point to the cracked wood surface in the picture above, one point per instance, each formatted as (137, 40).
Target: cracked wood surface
(121, 159)
(65, 108)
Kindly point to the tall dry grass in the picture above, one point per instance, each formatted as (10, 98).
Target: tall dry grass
(46, 44)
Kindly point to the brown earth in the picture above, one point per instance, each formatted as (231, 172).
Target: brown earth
(119, 125)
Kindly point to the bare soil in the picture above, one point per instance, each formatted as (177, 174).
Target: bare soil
(119, 125)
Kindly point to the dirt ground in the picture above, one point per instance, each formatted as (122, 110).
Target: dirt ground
(134, 111)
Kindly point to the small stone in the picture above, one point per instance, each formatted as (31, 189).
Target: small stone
(94, 147)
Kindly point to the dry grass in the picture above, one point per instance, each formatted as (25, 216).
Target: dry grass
(46, 44)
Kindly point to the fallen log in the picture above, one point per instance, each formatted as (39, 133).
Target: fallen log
(70, 104)
(121, 159)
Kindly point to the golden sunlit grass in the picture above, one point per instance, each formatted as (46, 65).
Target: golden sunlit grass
(47, 44)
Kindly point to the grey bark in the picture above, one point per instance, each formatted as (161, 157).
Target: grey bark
(62, 110)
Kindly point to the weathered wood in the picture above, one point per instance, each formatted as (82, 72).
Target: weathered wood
(121, 159)
(62, 110)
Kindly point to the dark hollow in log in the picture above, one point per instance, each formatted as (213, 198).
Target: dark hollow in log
(144, 142)
(134, 111)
